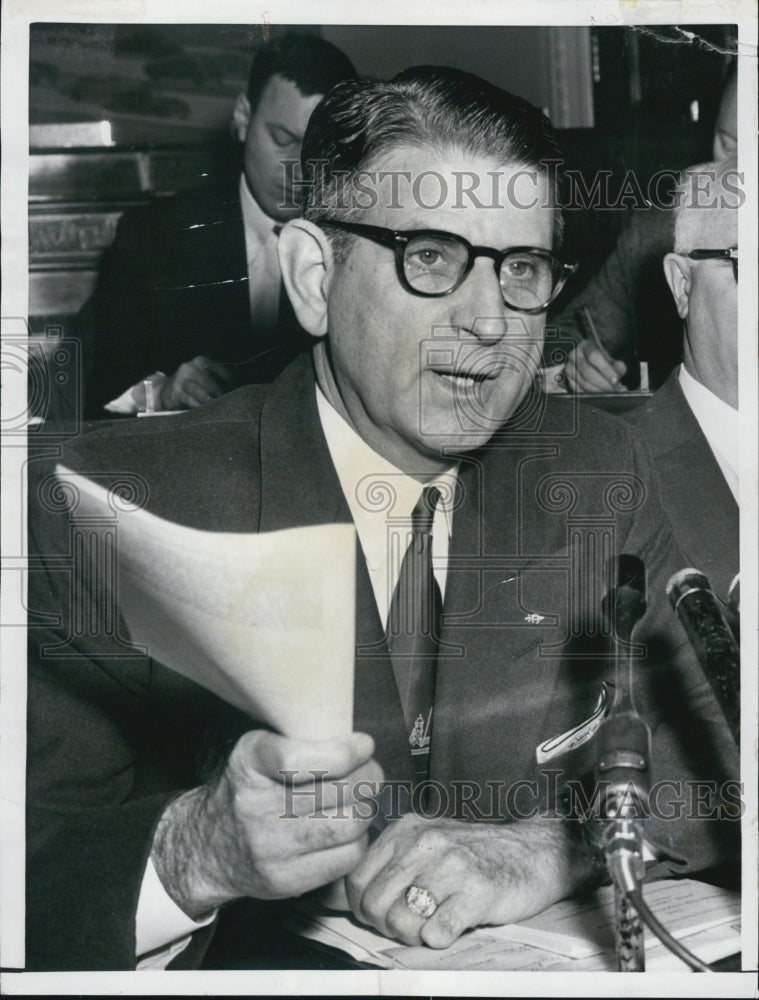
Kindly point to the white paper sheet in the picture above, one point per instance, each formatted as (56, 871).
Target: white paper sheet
(569, 936)
(265, 621)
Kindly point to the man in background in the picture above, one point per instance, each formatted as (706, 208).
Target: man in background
(691, 424)
(190, 295)
(628, 291)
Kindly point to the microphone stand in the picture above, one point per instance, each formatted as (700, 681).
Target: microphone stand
(622, 770)
(624, 746)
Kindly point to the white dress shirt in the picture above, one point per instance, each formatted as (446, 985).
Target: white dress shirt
(381, 499)
(264, 277)
(162, 929)
(719, 423)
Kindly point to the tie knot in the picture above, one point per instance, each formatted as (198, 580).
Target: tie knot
(424, 512)
(277, 230)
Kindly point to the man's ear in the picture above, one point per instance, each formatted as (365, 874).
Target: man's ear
(305, 259)
(241, 117)
(677, 273)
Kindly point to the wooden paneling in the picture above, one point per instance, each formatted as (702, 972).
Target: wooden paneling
(115, 174)
(86, 175)
(68, 233)
(59, 293)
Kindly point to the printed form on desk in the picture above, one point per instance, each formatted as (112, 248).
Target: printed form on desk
(572, 935)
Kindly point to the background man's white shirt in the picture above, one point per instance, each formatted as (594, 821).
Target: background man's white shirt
(719, 424)
(264, 277)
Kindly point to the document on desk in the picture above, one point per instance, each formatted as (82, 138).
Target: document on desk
(265, 621)
(574, 935)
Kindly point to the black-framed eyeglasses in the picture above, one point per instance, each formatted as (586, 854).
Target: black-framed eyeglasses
(432, 263)
(728, 253)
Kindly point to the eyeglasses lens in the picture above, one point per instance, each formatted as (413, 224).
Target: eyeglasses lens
(527, 280)
(434, 264)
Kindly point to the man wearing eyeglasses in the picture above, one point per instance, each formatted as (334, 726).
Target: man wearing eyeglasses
(691, 424)
(626, 301)
(422, 269)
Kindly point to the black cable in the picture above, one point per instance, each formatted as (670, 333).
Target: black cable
(636, 898)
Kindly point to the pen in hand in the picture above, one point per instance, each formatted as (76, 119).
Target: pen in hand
(594, 333)
(591, 327)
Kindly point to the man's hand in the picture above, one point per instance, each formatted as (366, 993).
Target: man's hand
(477, 873)
(194, 383)
(589, 369)
(249, 835)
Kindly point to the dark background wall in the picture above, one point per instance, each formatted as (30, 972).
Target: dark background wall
(164, 84)
(175, 83)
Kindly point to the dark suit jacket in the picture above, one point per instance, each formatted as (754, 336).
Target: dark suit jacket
(173, 285)
(112, 736)
(698, 501)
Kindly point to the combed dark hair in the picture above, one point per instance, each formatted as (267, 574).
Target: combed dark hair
(313, 64)
(435, 107)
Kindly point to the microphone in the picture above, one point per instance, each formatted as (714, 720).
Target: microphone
(712, 639)
(623, 738)
(623, 752)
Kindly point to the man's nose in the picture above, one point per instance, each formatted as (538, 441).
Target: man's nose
(479, 309)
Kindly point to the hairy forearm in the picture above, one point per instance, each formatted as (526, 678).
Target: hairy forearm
(187, 872)
(230, 839)
(548, 859)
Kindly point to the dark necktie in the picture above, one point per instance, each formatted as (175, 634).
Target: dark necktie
(413, 631)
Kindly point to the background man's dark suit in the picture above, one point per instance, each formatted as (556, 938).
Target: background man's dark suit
(111, 742)
(174, 285)
(696, 497)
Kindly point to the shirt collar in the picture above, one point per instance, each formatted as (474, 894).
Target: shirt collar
(256, 222)
(719, 424)
(377, 492)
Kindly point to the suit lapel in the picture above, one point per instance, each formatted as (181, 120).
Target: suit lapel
(705, 521)
(299, 485)
(377, 704)
(227, 265)
(213, 240)
(200, 280)
(698, 501)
